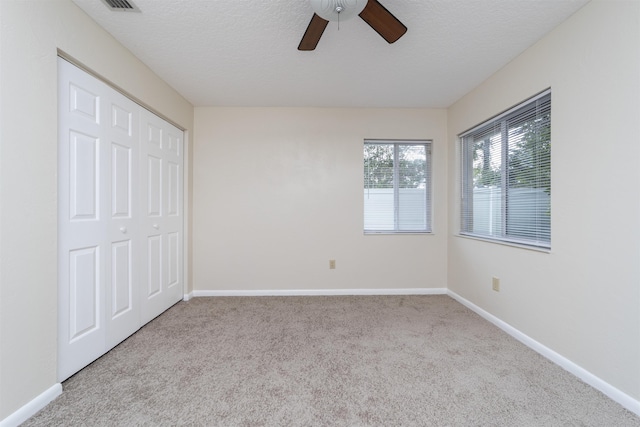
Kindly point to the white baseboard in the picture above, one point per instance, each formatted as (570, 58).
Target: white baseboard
(31, 408)
(319, 292)
(613, 393)
(188, 296)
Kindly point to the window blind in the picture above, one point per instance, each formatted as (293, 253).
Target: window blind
(397, 186)
(506, 175)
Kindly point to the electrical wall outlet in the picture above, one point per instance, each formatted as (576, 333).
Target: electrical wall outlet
(332, 264)
(495, 284)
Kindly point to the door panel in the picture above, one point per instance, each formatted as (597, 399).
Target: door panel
(154, 135)
(81, 236)
(120, 181)
(81, 337)
(173, 262)
(83, 102)
(174, 216)
(174, 147)
(154, 186)
(122, 119)
(154, 262)
(123, 293)
(173, 190)
(121, 279)
(83, 176)
(84, 292)
(161, 145)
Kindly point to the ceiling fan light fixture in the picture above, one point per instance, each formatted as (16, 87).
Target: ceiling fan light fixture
(338, 10)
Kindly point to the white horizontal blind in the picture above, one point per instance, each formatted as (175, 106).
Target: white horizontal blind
(506, 176)
(397, 186)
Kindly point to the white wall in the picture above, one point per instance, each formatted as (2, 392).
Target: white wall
(582, 300)
(278, 192)
(30, 33)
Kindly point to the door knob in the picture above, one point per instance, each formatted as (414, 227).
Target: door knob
(156, 226)
(123, 230)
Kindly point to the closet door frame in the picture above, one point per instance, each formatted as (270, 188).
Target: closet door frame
(116, 232)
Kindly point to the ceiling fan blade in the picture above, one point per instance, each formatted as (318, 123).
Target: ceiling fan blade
(313, 33)
(381, 20)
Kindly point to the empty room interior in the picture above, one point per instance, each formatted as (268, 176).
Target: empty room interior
(268, 123)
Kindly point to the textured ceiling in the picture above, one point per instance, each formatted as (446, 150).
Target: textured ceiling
(244, 52)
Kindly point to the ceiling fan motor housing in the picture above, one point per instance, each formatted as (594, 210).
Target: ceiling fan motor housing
(338, 10)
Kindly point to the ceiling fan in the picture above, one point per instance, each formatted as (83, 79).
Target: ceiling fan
(371, 11)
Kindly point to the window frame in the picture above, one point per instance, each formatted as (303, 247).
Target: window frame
(466, 175)
(428, 210)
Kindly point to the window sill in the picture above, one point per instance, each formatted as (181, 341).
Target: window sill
(373, 233)
(506, 243)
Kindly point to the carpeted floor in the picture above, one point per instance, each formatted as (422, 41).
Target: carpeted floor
(326, 361)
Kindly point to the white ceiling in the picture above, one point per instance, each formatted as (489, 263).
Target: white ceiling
(244, 52)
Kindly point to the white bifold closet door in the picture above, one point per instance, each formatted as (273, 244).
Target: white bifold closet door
(119, 217)
(161, 214)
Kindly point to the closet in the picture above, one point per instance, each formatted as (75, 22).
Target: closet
(120, 217)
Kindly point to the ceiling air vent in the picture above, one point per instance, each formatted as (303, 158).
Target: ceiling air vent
(121, 5)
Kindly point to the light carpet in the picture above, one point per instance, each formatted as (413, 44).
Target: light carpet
(326, 361)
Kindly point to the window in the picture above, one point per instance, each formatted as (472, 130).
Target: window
(506, 176)
(397, 186)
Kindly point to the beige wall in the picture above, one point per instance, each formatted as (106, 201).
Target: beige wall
(582, 299)
(30, 33)
(278, 192)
